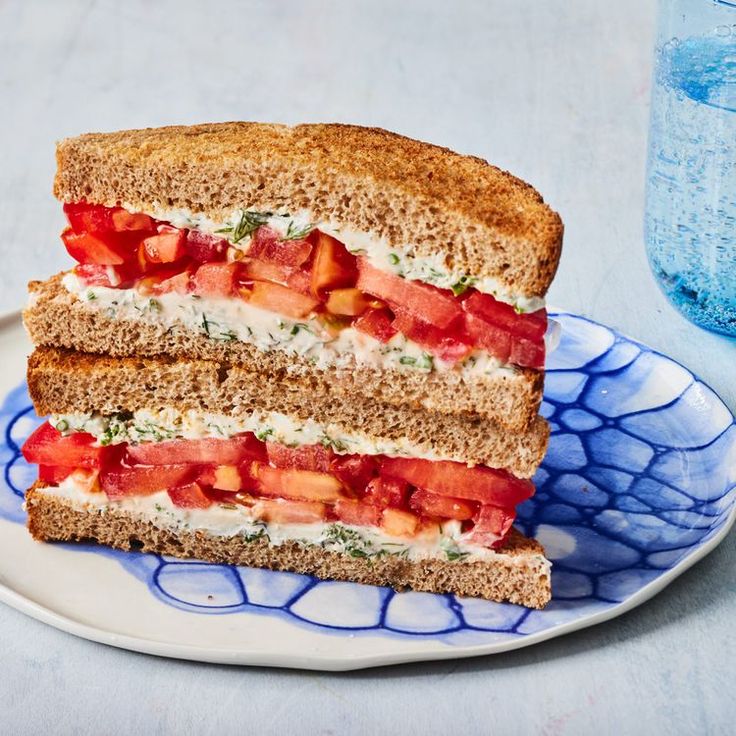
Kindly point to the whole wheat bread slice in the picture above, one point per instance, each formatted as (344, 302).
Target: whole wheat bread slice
(489, 223)
(519, 575)
(56, 318)
(62, 382)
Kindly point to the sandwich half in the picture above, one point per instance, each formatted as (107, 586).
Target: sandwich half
(354, 260)
(148, 454)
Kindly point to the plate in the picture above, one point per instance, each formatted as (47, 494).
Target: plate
(639, 483)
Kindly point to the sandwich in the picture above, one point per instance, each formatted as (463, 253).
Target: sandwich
(316, 349)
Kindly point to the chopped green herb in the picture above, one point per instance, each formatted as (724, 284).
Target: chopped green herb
(462, 285)
(407, 360)
(154, 305)
(452, 550)
(249, 222)
(261, 434)
(295, 232)
(393, 259)
(91, 295)
(62, 425)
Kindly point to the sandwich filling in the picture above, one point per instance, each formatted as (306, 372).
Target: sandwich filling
(288, 284)
(314, 494)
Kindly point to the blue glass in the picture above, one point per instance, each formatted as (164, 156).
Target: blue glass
(690, 221)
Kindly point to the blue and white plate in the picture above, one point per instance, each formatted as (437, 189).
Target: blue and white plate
(639, 484)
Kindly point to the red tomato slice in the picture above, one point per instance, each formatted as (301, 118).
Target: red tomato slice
(54, 474)
(305, 457)
(205, 248)
(143, 480)
(166, 246)
(431, 504)
(447, 345)
(94, 218)
(439, 308)
(280, 299)
(123, 221)
(333, 266)
(190, 496)
(527, 353)
(87, 248)
(355, 471)
(377, 323)
(357, 513)
(47, 446)
(281, 511)
(301, 281)
(400, 523)
(495, 340)
(384, 492)
(350, 302)
(232, 451)
(215, 279)
(181, 283)
(492, 526)
(447, 478)
(531, 326)
(251, 269)
(304, 485)
(266, 245)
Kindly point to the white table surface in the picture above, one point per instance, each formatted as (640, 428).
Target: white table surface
(557, 92)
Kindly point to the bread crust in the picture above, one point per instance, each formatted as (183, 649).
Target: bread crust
(410, 193)
(56, 318)
(519, 576)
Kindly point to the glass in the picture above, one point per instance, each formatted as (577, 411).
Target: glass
(690, 220)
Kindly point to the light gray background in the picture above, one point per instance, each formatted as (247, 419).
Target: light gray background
(554, 90)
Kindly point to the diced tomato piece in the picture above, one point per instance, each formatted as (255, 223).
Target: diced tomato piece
(386, 492)
(266, 245)
(377, 323)
(431, 504)
(88, 248)
(280, 299)
(190, 496)
(143, 480)
(357, 513)
(306, 485)
(281, 511)
(333, 266)
(301, 281)
(492, 526)
(215, 279)
(305, 457)
(531, 326)
(47, 446)
(433, 305)
(450, 346)
(166, 246)
(224, 477)
(527, 353)
(231, 451)
(351, 302)
(447, 478)
(355, 471)
(92, 274)
(122, 221)
(251, 269)
(493, 339)
(181, 283)
(400, 523)
(54, 474)
(205, 248)
(91, 218)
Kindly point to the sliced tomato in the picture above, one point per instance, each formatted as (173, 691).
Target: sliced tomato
(281, 511)
(266, 245)
(143, 480)
(123, 221)
(377, 323)
(92, 274)
(305, 485)
(166, 246)
(531, 326)
(494, 340)
(333, 266)
(180, 283)
(492, 526)
(54, 474)
(350, 302)
(448, 345)
(527, 353)
(251, 269)
(433, 305)
(205, 248)
(355, 471)
(215, 279)
(190, 496)
(301, 281)
(280, 299)
(305, 457)
(431, 504)
(88, 248)
(399, 523)
(447, 478)
(47, 446)
(387, 492)
(357, 513)
(231, 451)
(95, 218)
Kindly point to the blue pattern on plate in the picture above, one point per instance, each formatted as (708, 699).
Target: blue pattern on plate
(641, 472)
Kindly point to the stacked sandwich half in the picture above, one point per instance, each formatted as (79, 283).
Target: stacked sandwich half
(316, 349)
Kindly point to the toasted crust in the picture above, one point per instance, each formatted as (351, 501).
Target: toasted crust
(60, 381)
(56, 318)
(489, 223)
(519, 575)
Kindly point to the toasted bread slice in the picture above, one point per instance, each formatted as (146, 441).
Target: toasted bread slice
(519, 573)
(56, 318)
(64, 382)
(484, 221)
